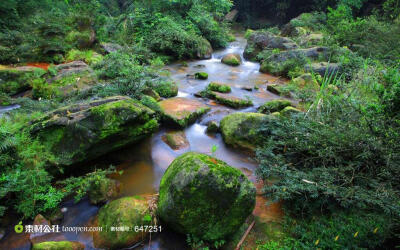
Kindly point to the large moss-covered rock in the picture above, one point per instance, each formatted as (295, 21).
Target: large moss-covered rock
(16, 80)
(232, 59)
(124, 212)
(204, 197)
(85, 131)
(58, 245)
(241, 129)
(260, 40)
(182, 111)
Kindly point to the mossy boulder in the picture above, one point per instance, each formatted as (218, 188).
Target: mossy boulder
(103, 190)
(274, 106)
(58, 245)
(16, 80)
(201, 76)
(182, 112)
(219, 87)
(124, 212)
(232, 59)
(204, 197)
(241, 129)
(82, 132)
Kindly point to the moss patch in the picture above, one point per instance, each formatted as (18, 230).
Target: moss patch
(58, 245)
(196, 185)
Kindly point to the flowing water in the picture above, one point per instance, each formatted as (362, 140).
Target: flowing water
(143, 164)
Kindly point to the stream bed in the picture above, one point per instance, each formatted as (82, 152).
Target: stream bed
(144, 164)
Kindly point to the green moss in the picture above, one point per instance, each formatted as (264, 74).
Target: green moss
(201, 76)
(127, 211)
(290, 111)
(274, 106)
(58, 245)
(195, 185)
(103, 190)
(241, 129)
(151, 103)
(219, 87)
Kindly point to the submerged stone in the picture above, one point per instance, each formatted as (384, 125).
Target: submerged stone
(58, 245)
(204, 197)
(176, 140)
(182, 111)
(212, 127)
(84, 131)
(124, 212)
(241, 129)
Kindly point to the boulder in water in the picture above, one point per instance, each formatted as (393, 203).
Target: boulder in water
(204, 197)
(241, 129)
(182, 111)
(84, 131)
(232, 59)
(176, 140)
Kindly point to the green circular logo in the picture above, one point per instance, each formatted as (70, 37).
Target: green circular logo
(19, 228)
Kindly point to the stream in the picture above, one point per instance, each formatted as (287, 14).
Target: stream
(144, 164)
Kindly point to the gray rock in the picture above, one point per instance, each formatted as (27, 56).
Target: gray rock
(323, 68)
